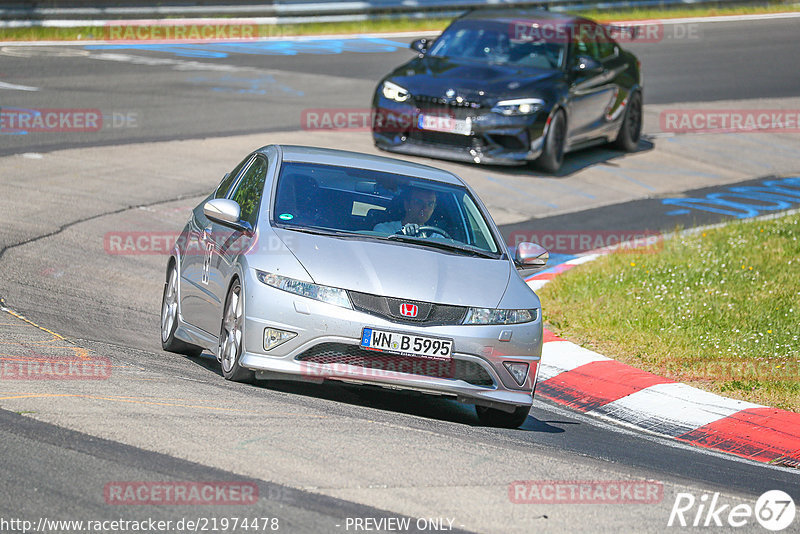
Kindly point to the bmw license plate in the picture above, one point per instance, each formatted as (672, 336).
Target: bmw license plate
(406, 344)
(444, 123)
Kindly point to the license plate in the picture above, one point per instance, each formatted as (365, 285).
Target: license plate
(406, 344)
(443, 123)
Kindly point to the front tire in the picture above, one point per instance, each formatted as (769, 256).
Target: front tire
(499, 418)
(169, 318)
(231, 337)
(554, 144)
(631, 130)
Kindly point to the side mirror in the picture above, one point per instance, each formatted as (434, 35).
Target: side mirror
(586, 65)
(530, 256)
(227, 213)
(420, 45)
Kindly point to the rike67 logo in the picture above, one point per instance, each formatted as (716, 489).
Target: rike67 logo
(774, 510)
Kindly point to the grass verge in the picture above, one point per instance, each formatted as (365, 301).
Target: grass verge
(88, 33)
(719, 309)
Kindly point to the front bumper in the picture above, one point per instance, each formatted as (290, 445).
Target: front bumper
(327, 346)
(494, 138)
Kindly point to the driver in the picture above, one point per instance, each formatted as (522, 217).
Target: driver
(418, 205)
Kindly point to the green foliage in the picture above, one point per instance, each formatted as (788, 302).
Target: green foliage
(718, 308)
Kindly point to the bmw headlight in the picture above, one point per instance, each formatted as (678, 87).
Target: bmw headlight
(519, 106)
(331, 295)
(392, 91)
(493, 316)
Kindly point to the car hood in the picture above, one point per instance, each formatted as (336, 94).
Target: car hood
(435, 76)
(400, 270)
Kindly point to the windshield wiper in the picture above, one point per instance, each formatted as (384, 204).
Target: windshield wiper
(397, 237)
(319, 231)
(442, 245)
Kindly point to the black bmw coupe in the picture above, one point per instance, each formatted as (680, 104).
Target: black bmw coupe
(509, 87)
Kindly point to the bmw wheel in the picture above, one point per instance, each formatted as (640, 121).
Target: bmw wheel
(502, 419)
(169, 318)
(631, 129)
(553, 153)
(231, 337)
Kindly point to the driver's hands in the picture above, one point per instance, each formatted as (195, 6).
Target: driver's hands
(410, 229)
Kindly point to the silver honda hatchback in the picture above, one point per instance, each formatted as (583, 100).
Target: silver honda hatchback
(313, 264)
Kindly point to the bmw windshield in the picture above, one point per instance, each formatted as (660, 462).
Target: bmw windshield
(355, 202)
(515, 43)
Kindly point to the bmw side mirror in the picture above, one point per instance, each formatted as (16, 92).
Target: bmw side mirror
(530, 256)
(227, 213)
(420, 45)
(586, 65)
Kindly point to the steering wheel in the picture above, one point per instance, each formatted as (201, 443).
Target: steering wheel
(434, 230)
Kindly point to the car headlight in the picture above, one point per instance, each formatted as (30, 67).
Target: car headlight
(519, 106)
(493, 316)
(331, 295)
(392, 91)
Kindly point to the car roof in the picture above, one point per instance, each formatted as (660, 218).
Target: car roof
(346, 158)
(512, 14)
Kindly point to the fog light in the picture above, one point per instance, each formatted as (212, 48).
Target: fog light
(518, 370)
(274, 337)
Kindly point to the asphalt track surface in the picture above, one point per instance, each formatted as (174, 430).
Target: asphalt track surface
(212, 90)
(319, 453)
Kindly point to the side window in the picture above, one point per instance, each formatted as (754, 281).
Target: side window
(250, 189)
(225, 184)
(584, 41)
(606, 47)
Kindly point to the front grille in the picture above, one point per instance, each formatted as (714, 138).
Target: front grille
(440, 106)
(342, 353)
(443, 107)
(430, 314)
(446, 111)
(445, 103)
(442, 138)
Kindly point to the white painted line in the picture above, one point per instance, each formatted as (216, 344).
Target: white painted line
(585, 258)
(536, 285)
(562, 356)
(15, 87)
(671, 409)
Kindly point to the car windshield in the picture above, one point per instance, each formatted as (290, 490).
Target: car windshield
(357, 202)
(514, 43)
